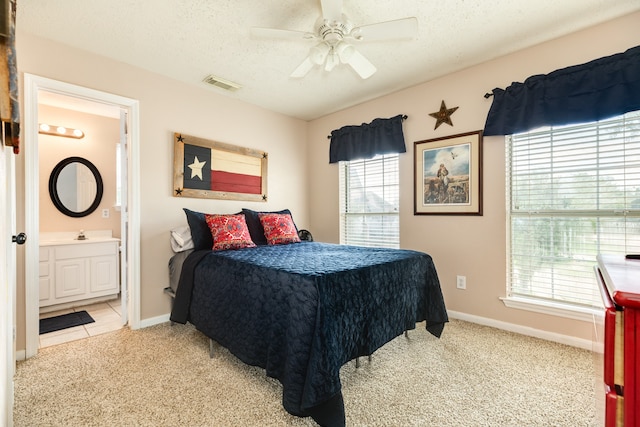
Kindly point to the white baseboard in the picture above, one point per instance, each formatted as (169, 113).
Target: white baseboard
(524, 330)
(511, 327)
(145, 323)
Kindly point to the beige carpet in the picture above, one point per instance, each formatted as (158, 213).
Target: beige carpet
(162, 376)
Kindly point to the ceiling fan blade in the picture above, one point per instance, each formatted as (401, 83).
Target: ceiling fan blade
(405, 28)
(303, 68)
(276, 33)
(361, 65)
(331, 9)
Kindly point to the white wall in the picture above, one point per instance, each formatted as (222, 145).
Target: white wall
(471, 246)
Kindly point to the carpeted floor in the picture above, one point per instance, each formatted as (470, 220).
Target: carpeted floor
(163, 376)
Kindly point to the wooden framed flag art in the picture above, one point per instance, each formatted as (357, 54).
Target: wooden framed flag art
(214, 170)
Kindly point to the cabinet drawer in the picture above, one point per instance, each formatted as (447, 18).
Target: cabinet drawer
(85, 250)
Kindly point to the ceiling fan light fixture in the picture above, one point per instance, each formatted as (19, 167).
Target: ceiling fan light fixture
(319, 53)
(345, 52)
(332, 31)
(332, 61)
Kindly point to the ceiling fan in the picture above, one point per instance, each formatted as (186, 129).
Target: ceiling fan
(334, 34)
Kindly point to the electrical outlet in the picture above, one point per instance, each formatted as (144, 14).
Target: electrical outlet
(461, 282)
(105, 213)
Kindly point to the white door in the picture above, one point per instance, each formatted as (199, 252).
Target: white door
(7, 284)
(124, 218)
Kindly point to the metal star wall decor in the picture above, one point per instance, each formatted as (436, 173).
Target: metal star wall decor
(444, 115)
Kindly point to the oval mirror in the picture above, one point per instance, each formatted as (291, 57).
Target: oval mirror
(75, 187)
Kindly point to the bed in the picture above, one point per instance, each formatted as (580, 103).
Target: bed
(302, 310)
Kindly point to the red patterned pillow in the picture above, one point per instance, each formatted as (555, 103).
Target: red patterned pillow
(279, 229)
(229, 232)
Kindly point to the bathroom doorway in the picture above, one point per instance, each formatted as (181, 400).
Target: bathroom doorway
(115, 119)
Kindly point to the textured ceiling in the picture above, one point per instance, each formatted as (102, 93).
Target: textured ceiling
(189, 39)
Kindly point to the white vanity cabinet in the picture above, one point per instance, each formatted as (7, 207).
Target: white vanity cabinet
(75, 270)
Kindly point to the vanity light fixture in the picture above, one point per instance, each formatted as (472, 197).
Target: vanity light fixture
(46, 129)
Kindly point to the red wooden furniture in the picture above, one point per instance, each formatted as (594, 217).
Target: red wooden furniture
(619, 283)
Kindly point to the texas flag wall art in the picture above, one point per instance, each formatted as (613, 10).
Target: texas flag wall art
(210, 169)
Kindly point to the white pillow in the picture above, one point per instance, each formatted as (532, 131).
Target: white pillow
(181, 239)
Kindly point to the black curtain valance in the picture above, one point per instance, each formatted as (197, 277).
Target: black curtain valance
(381, 136)
(599, 89)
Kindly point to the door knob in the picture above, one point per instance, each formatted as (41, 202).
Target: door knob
(19, 239)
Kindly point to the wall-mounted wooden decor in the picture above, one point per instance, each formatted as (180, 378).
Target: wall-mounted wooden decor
(214, 170)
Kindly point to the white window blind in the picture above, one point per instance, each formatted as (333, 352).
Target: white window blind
(572, 192)
(369, 202)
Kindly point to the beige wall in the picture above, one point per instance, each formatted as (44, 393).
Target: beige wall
(471, 246)
(167, 106)
(99, 147)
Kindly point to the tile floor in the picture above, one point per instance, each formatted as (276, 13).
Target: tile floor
(107, 318)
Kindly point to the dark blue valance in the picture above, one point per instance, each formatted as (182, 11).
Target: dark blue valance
(381, 136)
(597, 90)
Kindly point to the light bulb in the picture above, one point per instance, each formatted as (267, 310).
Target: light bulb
(345, 52)
(318, 53)
(332, 61)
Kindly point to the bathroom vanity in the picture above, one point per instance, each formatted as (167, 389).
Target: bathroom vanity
(73, 270)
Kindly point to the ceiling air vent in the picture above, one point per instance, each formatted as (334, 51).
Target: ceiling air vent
(221, 83)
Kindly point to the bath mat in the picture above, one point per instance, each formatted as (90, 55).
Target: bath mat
(64, 321)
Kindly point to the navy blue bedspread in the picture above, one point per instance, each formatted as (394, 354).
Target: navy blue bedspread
(301, 311)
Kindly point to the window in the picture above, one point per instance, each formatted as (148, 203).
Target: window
(572, 192)
(369, 202)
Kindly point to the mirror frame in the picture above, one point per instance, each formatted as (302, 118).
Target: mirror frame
(53, 183)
